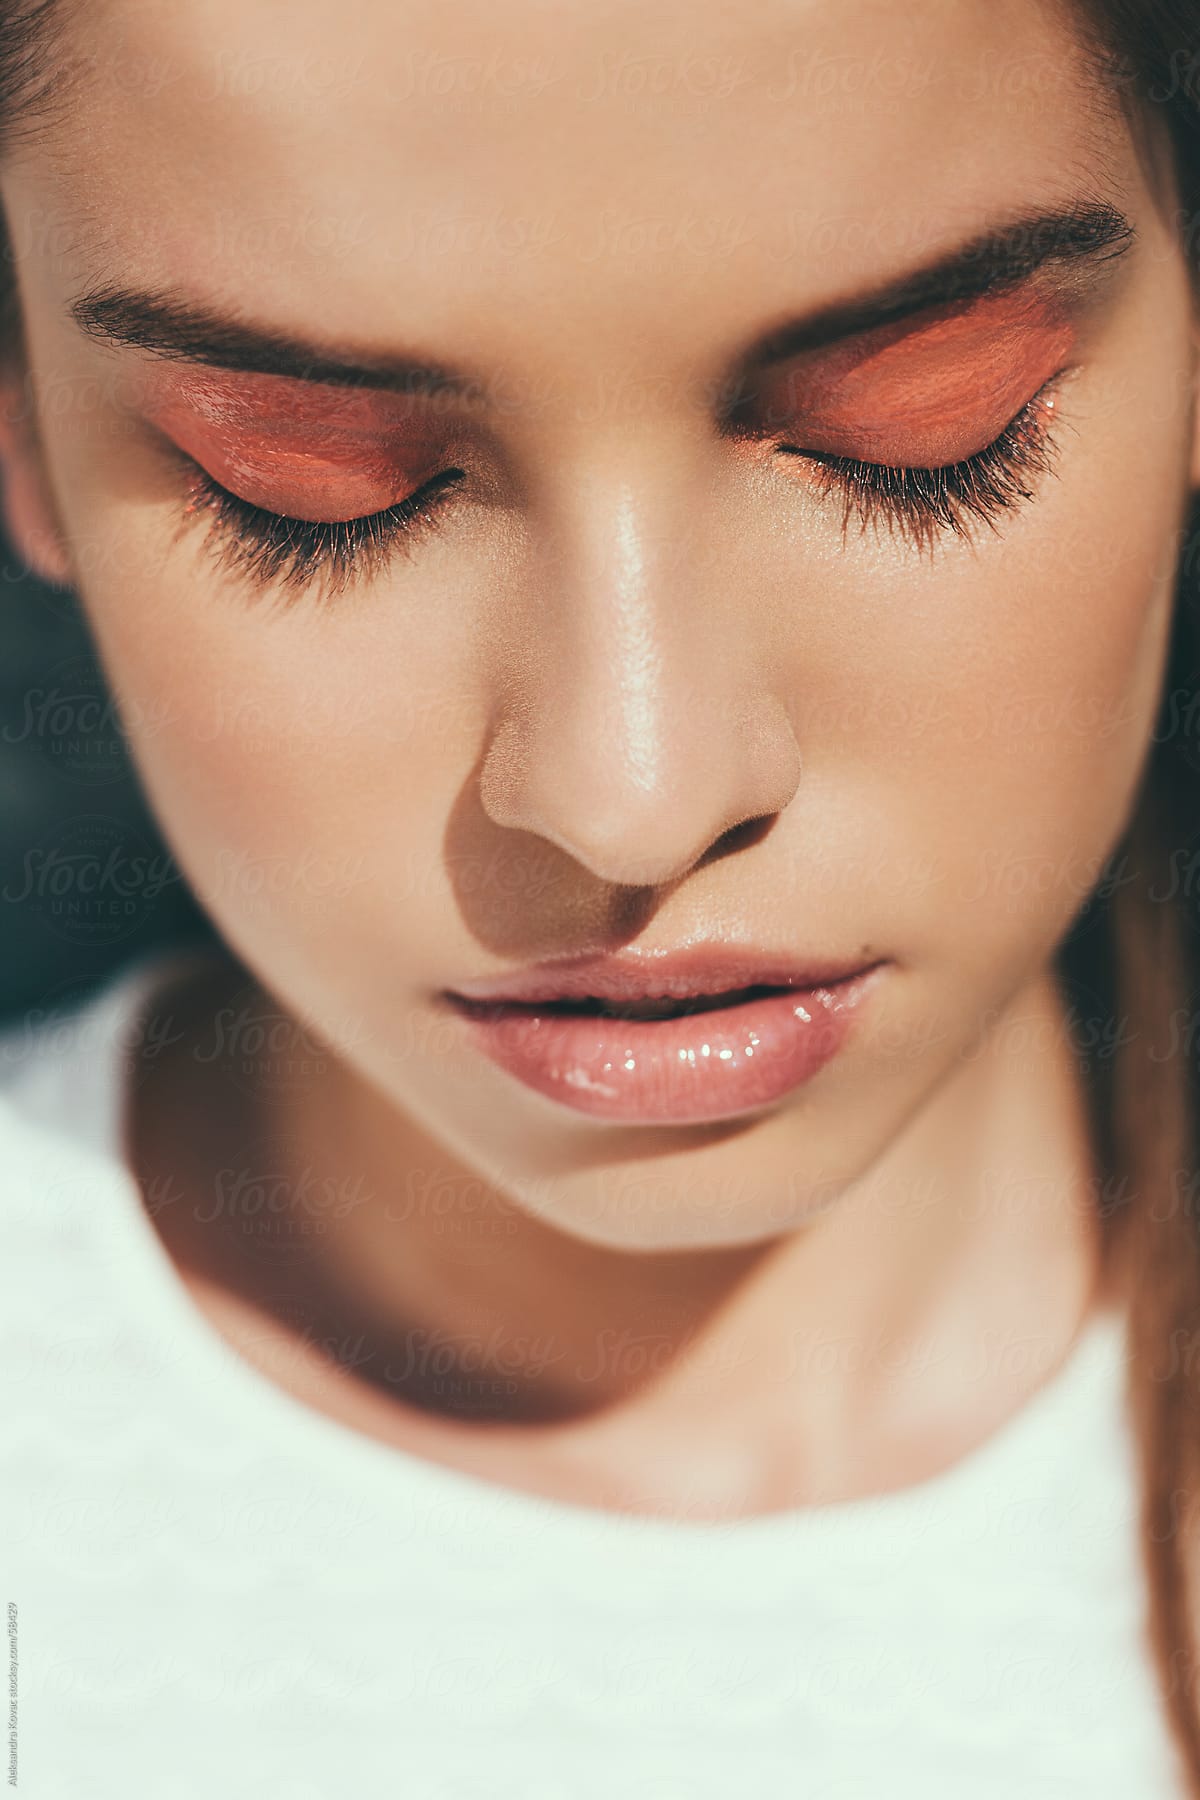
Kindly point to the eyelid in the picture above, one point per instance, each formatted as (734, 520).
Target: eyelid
(292, 555)
(920, 504)
(334, 488)
(294, 516)
(925, 394)
(858, 446)
(319, 456)
(324, 505)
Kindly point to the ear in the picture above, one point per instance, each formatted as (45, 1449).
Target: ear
(30, 517)
(1194, 474)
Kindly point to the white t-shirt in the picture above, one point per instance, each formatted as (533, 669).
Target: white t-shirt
(220, 1592)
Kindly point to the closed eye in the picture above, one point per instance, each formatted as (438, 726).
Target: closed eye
(920, 504)
(272, 549)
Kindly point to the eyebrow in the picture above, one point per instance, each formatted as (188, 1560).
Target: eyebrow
(1077, 237)
(183, 330)
(169, 324)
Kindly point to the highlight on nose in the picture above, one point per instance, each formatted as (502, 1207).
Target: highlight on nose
(645, 722)
(639, 821)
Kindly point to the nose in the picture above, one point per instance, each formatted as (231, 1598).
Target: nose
(639, 727)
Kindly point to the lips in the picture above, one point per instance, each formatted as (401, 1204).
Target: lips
(659, 1006)
(629, 975)
(674, 1039)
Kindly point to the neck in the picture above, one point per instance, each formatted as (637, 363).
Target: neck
(911, 1315)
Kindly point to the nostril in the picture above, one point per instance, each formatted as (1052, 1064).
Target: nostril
(739, 837)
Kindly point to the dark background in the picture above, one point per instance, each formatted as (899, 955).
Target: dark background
(86, 881)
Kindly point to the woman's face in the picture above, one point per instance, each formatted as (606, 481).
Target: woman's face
(643, 607)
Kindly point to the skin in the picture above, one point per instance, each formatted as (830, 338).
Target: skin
(539, 732)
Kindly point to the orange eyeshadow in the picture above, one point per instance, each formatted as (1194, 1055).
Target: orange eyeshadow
(319, 452)
(924, 391)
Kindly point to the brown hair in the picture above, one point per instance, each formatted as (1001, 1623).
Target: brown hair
(1130, 965)
(1131, 970)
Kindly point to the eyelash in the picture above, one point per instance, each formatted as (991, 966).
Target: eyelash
(920, 504)
(917, 504)
(274, 549)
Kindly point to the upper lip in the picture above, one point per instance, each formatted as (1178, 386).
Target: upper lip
(654, 975)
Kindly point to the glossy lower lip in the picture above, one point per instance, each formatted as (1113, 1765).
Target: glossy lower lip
(697, 1068)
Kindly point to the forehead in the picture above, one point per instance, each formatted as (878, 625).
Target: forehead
(383, 170)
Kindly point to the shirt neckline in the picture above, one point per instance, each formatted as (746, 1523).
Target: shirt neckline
(1087, 1380)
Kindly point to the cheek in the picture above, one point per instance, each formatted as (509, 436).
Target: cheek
(1023, 701)
(298, 785)
(296, 798)
(302, 765)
